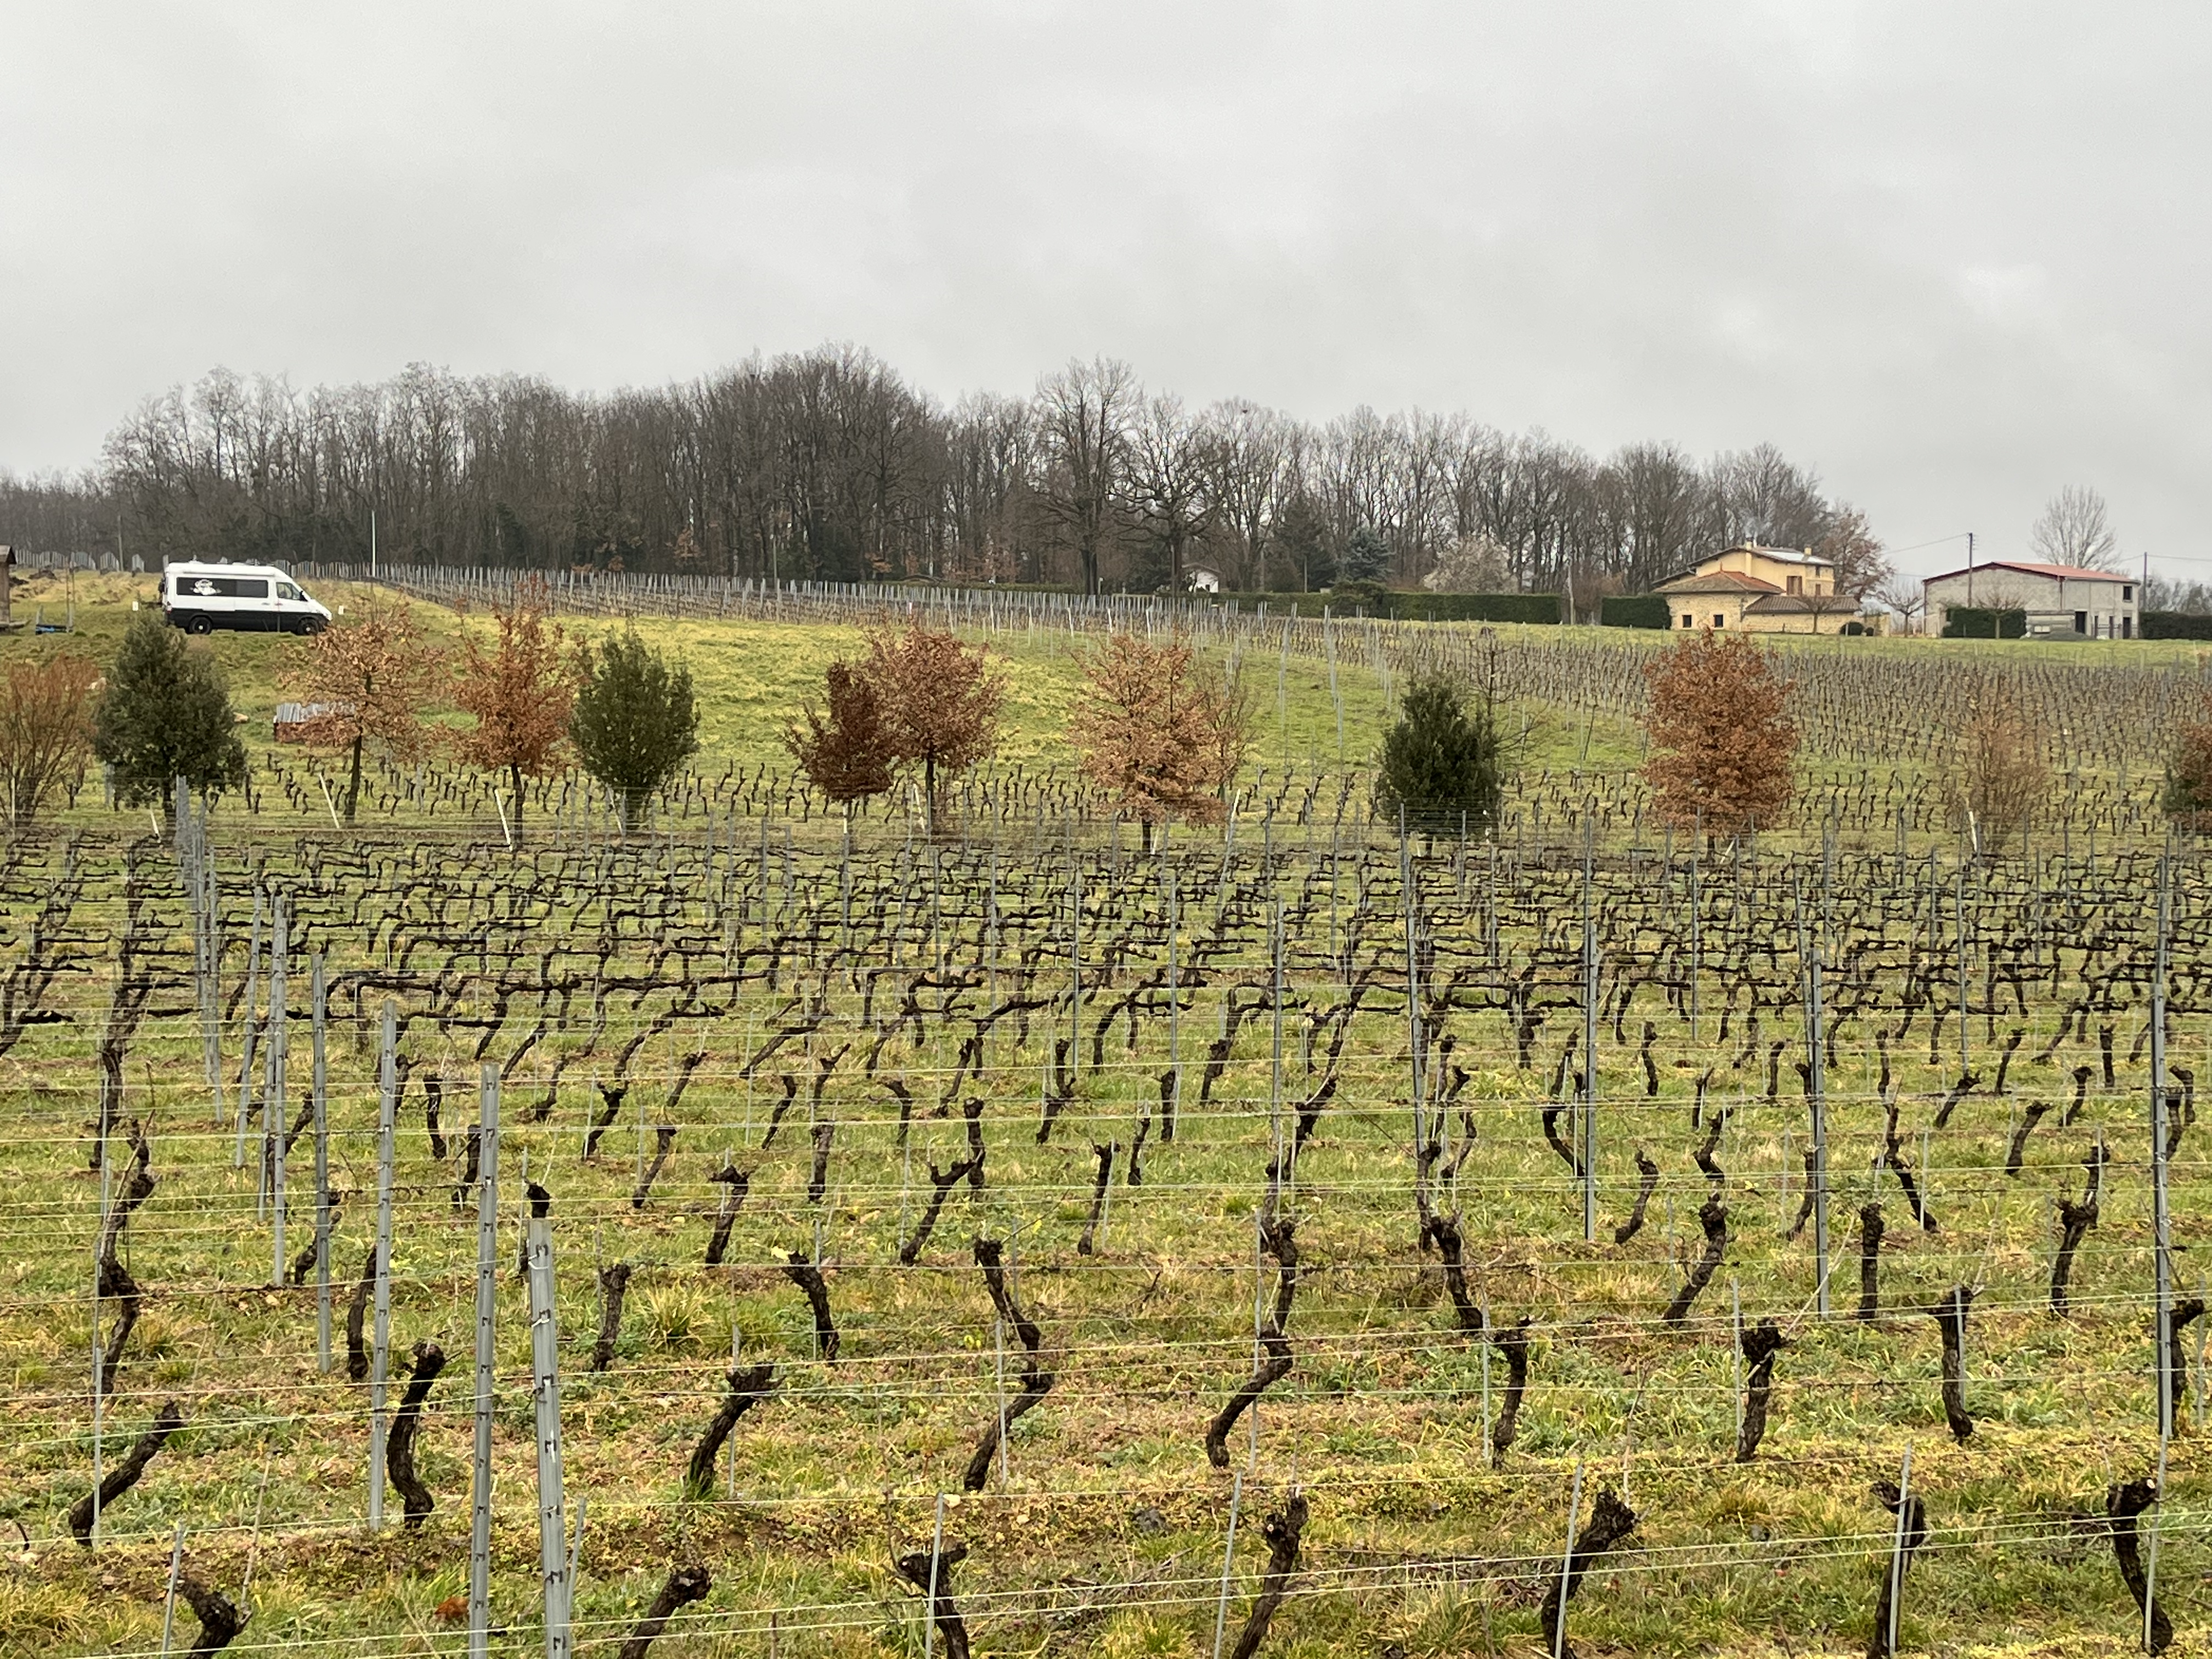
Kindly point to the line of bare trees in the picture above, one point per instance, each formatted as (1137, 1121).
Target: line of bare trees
(827, 465)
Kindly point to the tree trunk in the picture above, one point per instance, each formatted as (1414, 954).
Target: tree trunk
(514, 779)
(353, 788)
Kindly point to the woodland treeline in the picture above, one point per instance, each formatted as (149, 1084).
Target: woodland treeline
(827, 466)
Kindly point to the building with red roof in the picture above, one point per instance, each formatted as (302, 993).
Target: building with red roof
(2061, 601)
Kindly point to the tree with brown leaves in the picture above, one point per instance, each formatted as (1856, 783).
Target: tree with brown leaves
(45, 728)
(940, 701)
(848, 751)
(1998, 778)
(367, 679)
(1161, 732)
(520, 688)
(1723, 742)
(2188, 799)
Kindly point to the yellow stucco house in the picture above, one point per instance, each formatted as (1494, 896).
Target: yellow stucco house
(1759, 590)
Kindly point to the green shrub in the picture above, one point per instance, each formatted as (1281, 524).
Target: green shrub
(1636, 610)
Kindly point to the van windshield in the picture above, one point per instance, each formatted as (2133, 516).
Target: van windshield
(286, 591)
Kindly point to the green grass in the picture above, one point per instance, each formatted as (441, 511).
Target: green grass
(1382, 1421)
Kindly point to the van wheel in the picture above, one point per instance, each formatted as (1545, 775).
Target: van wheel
(311, 626)
(199, 625)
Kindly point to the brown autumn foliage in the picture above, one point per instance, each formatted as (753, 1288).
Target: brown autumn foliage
(846, 751)
(940, 701)
(46, 729)
(520, 687)
(373, 673)
(1160, 730)
(1998, 778)
(1723, 742)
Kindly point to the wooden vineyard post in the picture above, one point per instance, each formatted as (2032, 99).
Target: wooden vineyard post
(545, 1381)
(318, 1083)
(275, 1116)
(379, 1352)
(487, 1316)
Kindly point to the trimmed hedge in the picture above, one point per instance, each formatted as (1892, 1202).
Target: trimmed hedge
(1976, 621)
(2175, 625)
(1475, 607)
(1636, 610)
(1408, 606)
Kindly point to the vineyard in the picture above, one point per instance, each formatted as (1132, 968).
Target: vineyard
(773, 1233)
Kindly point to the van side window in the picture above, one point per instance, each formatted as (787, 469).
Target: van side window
(228, 587)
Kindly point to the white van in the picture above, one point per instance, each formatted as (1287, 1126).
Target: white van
(201, 597)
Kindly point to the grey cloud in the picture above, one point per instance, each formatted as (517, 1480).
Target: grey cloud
(1950, 256)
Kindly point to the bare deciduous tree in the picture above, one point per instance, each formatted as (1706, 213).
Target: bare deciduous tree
(2073, 529)
(367, 680)
(46, 729)
(1997, 778)
(1906, 597)
(1085, 412)
(1169, 476)
(1855, 551)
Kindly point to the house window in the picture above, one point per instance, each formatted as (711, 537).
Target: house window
(2127, 595)
(1797, 583)
(1688, 621)
(1719, 621)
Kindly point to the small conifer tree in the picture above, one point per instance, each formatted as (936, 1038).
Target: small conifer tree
(1440, 765)
(166, 714)
(635, 719)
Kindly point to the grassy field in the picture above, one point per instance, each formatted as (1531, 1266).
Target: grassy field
(585, 971)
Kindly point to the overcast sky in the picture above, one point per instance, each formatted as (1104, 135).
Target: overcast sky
(1952, 256)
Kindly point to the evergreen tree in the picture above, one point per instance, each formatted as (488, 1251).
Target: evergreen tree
(166, 714)
(635, 720)
(1441, 765)
(1366, 557)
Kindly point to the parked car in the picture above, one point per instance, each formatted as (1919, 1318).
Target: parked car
(201, 597)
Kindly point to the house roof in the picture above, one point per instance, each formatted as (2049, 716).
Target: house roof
(1719, 581)
(1779, 555)
(1798, 604)
(2064, 572)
